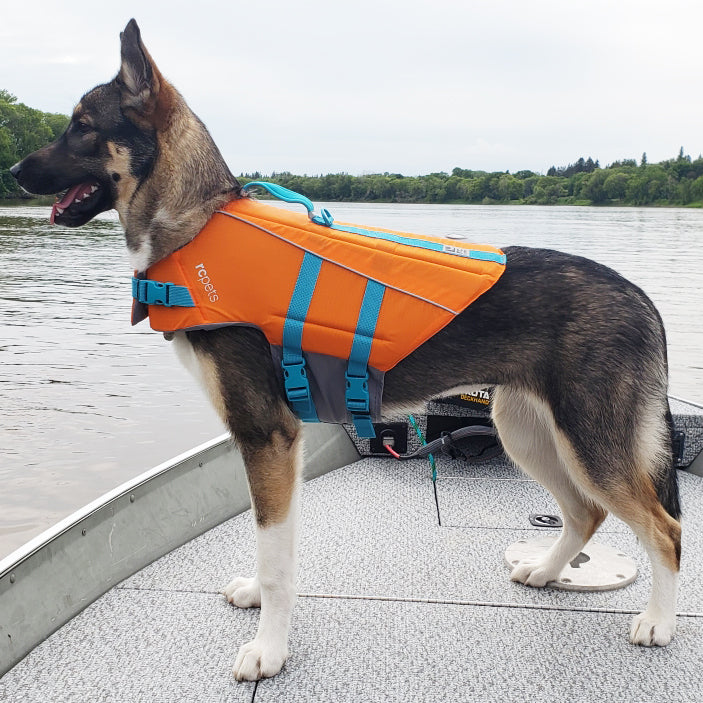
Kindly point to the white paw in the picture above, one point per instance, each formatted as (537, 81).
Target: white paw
(649, 631)
(533, 573)
(243, 592)
(258, 660)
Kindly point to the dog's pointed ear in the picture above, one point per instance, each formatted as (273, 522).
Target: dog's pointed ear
(145, 93)
(136, 75)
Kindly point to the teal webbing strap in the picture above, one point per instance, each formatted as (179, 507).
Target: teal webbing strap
(290, 196)
(357, 374)
(326, 219)
(424, 244)
(158, 293)
(295, 377)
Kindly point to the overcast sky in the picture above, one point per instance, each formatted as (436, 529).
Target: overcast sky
(318, 86)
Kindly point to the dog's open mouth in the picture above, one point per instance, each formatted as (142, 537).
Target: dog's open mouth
(79, 204)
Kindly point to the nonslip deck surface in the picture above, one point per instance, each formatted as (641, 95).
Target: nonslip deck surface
(392, 606)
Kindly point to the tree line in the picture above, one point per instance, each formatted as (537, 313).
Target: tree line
(22, 130)
(676, 181)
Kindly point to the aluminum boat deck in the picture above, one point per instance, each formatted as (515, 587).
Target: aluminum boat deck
(403, 596)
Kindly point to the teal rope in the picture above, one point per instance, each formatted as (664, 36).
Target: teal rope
(430, 458)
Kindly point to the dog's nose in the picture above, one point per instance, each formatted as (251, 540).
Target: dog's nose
(16, 169)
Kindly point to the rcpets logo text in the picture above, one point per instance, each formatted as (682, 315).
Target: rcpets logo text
(207, 283)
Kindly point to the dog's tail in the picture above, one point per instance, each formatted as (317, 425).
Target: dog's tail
(667, 485)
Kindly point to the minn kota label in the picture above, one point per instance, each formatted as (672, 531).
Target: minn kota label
(482, 397)
(474, 399)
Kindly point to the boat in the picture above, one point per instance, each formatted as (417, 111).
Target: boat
(403, 588)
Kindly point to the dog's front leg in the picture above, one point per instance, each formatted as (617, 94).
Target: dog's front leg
(273, 472)
(235, 367)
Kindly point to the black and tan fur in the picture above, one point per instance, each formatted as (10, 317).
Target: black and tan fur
(576, 353)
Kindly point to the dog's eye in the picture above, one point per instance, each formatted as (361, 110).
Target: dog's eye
(83, 127)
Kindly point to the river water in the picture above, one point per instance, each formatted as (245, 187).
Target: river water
(87, 402)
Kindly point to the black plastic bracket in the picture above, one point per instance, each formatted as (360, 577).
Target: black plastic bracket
(541, 520)
(678, 444)
(394, 433)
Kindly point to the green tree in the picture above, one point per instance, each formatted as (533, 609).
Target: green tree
(548, 190)
(22, 130)
(615, 186)
(593, 187)
(57, 123)
(697, 190)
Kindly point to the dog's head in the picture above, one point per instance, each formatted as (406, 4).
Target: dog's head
(110, 144)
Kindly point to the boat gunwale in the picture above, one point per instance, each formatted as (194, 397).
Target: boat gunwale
(59, 573)
(21, 554)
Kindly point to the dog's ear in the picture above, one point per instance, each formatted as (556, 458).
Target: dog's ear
(136, 75)
(146, 96)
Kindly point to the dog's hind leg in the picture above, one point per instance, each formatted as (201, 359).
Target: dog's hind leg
(661, 536)
(653, 511)
(639, 487)
(644, 494)
(526, 429)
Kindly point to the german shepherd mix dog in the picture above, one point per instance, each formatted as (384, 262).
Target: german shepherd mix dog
(576, 353)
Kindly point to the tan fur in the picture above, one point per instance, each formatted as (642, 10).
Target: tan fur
(636, 503)
(165, 101)
(127, 184)
(273, 476)
(273, 469)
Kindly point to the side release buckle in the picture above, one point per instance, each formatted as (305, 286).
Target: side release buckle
(158, 293)
(356, 398)
(297, 385)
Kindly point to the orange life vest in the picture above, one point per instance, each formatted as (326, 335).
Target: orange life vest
(331, 298)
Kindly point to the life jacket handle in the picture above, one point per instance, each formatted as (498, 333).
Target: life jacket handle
(290, 196)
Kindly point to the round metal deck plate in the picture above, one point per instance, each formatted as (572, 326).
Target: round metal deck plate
(596, 568)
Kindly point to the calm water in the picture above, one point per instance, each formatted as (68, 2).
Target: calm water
(87, 402)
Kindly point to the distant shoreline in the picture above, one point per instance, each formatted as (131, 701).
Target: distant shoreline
(47, 201)
(38, 200)
(674, 183)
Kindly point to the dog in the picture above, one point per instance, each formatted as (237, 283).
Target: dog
(556, 335)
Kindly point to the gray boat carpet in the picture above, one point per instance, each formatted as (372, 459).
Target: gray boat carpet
(392, 607)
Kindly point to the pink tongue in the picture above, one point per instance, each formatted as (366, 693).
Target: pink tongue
(76, 192)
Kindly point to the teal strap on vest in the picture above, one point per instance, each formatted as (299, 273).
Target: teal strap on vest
(295, 377)
(157, 293)
(290, 196)
(326, 219)
(357, 374)
(424, 244)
